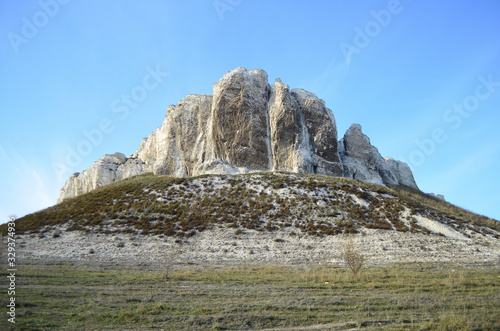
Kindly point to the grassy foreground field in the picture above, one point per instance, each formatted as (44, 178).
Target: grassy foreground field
(415, 296)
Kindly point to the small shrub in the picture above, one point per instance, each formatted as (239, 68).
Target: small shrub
(170, 258)
(352, 257)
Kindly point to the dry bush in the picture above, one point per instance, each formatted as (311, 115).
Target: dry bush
(169, 259)
(352, 257)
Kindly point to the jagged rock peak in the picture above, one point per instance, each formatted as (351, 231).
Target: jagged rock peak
(362, 161)
(247, 125)
(402, 172)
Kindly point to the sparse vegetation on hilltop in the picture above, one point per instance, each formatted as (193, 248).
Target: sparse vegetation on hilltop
(314, 204)
(433, 203)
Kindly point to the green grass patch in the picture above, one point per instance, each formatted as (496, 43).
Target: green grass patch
(411, 296)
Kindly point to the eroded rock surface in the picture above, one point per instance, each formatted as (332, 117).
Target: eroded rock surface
(240, 125)
(247, 125)
(362, 161)
(102, 172)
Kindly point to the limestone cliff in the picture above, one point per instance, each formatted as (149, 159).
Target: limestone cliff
(362, 161)
(247, 125)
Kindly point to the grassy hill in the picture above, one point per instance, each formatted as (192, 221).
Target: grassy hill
(313, 204)
(144, 273)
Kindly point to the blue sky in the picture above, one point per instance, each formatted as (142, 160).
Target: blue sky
(88, 78)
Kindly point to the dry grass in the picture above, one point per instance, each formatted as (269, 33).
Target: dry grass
(434, 204)
(352, 256)
(411, 296)
(312, 204)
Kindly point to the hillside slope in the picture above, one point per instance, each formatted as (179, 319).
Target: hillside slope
(278, 218)
(312, 204)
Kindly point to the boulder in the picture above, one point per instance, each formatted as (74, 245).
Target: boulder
(437, 196)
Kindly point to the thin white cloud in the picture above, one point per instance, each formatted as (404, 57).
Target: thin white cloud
(27, 187)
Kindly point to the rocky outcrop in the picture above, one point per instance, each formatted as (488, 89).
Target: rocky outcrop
(102, 172)
(179, 145)
(240, 125)
(247, 125)
(363, 162)
(286, 133)
(319, 131)
(303, 132)
(402, 172)
(437, 196)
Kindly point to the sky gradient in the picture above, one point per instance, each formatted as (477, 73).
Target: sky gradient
(80, 79)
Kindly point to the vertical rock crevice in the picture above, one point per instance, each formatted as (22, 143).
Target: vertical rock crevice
(322, 130)
(284, 128)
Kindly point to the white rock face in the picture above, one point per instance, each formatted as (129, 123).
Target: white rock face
(303, 132)
(102, 172)
(363, 162)
(246, 125)
(403, 172)
(179, 146)
(288, 150)
(320, 133)
(240, 133)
